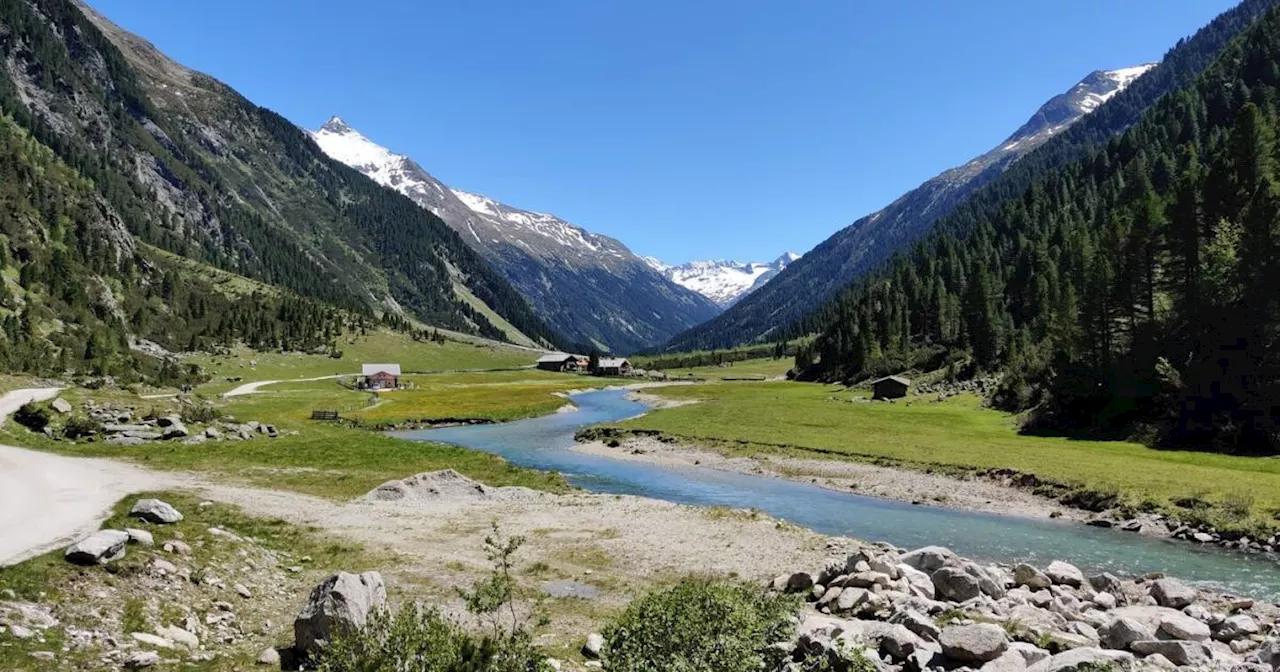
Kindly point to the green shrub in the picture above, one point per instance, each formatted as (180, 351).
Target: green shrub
(199, 413)
(419, 639)
(32, 416)
(80, 426)
(700, 626)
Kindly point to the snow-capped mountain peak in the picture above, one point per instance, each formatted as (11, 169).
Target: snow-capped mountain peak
(722, 281)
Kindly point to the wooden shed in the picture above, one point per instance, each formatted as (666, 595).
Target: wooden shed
(890, 387)
(381, 376)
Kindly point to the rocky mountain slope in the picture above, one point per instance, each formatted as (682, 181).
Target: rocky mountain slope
(573, 278)
(868, 241)
(724, 282)
(193, 168)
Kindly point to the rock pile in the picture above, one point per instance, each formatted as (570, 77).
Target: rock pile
(889, 609)
(125, 426)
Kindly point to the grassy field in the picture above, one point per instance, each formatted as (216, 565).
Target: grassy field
(809, 420)
(767, 367)
(377, 347)
(498, 396)
(326, 459)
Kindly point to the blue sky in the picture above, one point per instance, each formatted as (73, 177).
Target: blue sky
(686, 128)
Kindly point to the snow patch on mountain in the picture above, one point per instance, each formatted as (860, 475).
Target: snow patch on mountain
(724, 282)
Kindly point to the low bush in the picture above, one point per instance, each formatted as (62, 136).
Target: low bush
(199, 413)
(33, 416)
(80, 427)
(700, 626)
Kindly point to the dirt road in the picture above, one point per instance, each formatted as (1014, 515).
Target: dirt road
(47, 500)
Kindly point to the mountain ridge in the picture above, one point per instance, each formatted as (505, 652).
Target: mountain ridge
(572, 276)
(724, 281)
(855, 249)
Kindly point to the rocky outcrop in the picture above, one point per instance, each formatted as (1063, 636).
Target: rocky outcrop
(944, 612)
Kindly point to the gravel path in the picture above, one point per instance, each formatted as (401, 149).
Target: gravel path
(255, 387)
(48, 500)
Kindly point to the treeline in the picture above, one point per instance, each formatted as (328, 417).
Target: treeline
(715, 357)
(1133, 289)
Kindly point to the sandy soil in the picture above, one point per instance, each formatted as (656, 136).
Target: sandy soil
(849, 476)
(618, 546)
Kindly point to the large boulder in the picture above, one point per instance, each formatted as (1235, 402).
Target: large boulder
(928, 559)
(155, 511)
(977, 643)
(341, 603)
(1179, 652)
(1122, 632)
(955, 584)
(1029, 576)
(1181, 626)
(99, 548)
(1172, 593)
(1089, 658)
(1064, 574)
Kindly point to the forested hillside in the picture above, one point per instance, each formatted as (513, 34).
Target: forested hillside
(1131, 289)
(780, 306)
(74, 282)
(193, 168)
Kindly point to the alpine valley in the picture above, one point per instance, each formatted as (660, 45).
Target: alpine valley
(572, 277)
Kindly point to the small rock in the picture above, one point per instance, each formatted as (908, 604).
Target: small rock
(1089, 658)
(151, 640)
(155, 511)
(179, 636)
(164, 566)
(594, 645)
(928, 559)
(61, 405)
(42, 655)
(141, 660)
(20, 632)
(269, 656)
(1236, 627)
(177, 547)
(140, 537)
(242, 591)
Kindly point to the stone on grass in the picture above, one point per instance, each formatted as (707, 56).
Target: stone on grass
(955, 584)
(977, 643)
(141, 660)
(594, 646)
(1172, 593)
(155, 511)
(140, 537)
(1122, 632)
(1181, 626)
(179, 636)
(269, 656)
(341, 603)
(98, 548)
(1065, 574)
(61, 405)
(1029, 576)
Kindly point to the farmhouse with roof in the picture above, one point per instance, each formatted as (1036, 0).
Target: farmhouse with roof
(613, 366)
(562, 361)
(890, 387)
(380, 376)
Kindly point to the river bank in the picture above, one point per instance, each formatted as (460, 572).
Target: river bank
(932, 489)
